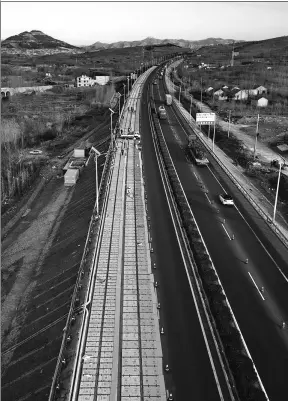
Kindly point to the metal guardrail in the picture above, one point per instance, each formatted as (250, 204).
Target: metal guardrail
(192, 124)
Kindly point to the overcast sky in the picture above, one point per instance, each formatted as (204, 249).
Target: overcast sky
(84, 23)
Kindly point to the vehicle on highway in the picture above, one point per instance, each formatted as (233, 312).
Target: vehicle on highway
(36, 152)
(162, 113)
(155, 82)
(127, 136)
(168, 99)
(197, 153)
(226, 200)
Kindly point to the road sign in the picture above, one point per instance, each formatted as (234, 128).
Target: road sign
(205, 118)
(205, 122)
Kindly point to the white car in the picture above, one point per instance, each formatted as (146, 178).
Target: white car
(226, 200)
(35, 152)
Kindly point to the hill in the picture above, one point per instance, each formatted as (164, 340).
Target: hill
(35, 42)
(270, 51)
(192, 44)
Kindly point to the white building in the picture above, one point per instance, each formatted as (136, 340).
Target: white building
(102, 79)
(220, 95)
(84, 80)
(208, 90)
(242, 95)
(220, 92)
(262, 102)
(261, 89)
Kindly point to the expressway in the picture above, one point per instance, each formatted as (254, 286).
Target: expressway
(196, 370)
(259, 315)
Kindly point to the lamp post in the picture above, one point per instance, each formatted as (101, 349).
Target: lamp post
(180, 93)
(229, 123)
(201, 89)
(111, 127)
(97, 154)
(128, 78)
(277, 188)
(190, 107)
(256, 137)
(124, 92)
(119, 102)
(214, 130)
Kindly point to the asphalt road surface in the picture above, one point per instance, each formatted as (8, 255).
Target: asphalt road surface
(259, 315)
(184, 346)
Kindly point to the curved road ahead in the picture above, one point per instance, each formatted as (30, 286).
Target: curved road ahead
(259, 315)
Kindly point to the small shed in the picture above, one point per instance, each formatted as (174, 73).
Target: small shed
(262, 102)
(261, 90)
(71, 177)
(219, 92)
(80, 150)
(283, 148)
(208, 90)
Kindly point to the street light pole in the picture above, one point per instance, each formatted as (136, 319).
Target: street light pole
(190, 108)
(111, 127)
(256, 137)
(124, 92)
(229, 123)
(213, 138)
(97, 153)
(180, 93)
(119, 100)
(277, 189)
(128, 85)
(201, 89)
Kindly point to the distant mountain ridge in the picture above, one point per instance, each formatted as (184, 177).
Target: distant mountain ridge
(36, 42)
(153, 41)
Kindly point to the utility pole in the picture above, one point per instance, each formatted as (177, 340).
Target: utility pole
(97, 154)
(180, 93)
(201, 89)
(229, 123)
(111, 125)
(232, 58)
(213, 137)
(256, 137)
(277, 189)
